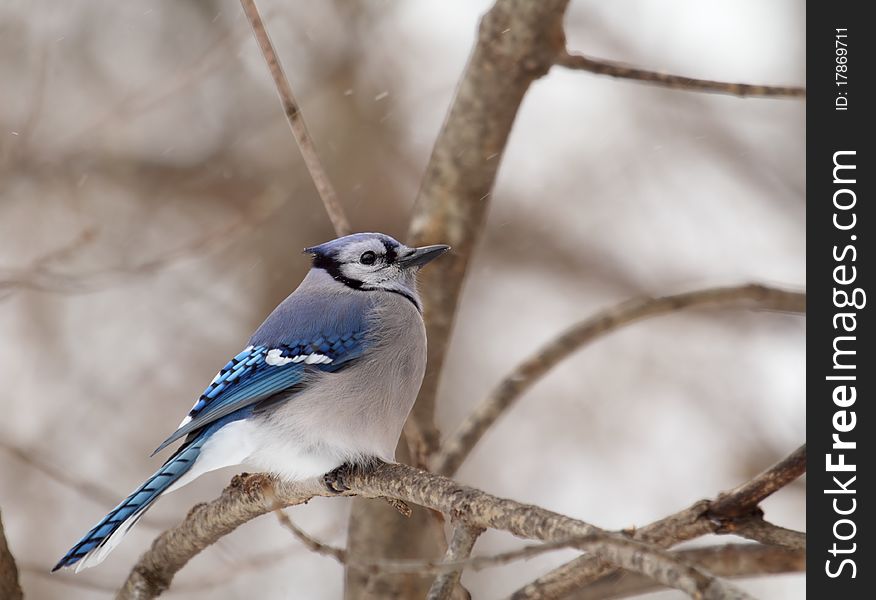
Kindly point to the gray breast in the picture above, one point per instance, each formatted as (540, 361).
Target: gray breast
(359, 411)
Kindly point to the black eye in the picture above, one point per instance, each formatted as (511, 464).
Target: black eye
(368, 258)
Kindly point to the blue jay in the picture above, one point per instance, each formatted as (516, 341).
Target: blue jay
(327, 380)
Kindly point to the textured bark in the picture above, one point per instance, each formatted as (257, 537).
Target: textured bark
(252, 495)
(9, 586)
(745, 498)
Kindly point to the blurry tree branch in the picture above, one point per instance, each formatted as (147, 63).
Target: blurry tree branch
(9, 586)
(42, 275)
(727, 560)
(458, 446)
(249, 496)
(738, 505)
(678, 82)
(296, 121)
(94, 491)
(309, 542)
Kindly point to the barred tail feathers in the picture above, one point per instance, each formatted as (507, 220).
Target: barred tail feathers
(96, 545)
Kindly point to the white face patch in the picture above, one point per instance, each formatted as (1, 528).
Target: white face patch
(374, 275)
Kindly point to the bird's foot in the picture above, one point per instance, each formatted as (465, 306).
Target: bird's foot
(334, 480)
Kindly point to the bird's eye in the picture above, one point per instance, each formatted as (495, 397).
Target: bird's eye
(368, 258)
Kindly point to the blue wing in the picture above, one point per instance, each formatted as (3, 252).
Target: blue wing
(260, 372)
(298, 335)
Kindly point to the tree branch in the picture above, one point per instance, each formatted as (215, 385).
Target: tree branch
(757, 529)
(9, 586)
(296, 121)
(462, 541)
(517, 43)
(678, 82)
(742, 500)
(729, 560)
(458, 446)
(311, 543)
(685, 525)
(249, 496)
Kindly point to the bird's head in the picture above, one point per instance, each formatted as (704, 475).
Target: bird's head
(374, 261)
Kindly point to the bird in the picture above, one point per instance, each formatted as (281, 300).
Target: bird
(326, 381)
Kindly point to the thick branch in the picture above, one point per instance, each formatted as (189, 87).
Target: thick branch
(730, 560)
(9, 586)
(296, 121)
(250, 496)
(685, 525)
(678, 82)
(458, 446)
(518, 41)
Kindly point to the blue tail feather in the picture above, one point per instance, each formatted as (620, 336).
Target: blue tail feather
(136, 504)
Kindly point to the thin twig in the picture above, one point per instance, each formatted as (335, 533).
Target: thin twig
(93, 491)
(756, 529)
(729, 560)
(10, 589)
(458, 446)
(745, 498)
(311, 543)
(296, 121)
(685, 525)
(43, 276)
(678, 82)
(252, 495)
(462, 541)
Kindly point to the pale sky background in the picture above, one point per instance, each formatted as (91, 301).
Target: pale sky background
(151, 133)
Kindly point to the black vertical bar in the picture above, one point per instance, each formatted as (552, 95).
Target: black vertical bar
(841, 482)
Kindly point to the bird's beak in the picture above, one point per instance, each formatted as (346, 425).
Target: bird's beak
(418, 257)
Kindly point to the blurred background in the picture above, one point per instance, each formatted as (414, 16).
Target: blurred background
(153, 207)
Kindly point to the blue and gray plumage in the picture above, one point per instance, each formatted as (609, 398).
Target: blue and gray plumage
(328, 379)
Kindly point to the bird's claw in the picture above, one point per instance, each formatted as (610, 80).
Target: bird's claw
(334, 480)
